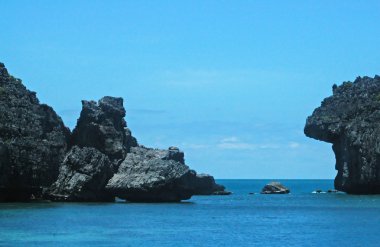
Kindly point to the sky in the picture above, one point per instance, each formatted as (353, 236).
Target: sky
(229, 82)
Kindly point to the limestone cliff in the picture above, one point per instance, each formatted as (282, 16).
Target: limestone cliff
(350, 120)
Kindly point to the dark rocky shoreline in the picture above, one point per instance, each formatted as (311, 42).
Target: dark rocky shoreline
(40, 158)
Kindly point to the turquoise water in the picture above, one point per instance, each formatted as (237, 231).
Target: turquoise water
(298, 219)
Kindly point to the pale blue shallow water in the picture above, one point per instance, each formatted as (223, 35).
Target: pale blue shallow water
(298, 219)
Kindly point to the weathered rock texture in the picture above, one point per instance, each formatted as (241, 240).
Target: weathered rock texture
(205, 185)
(350, 120)
(101, 142)
(102, 126)
(153, 175)
(83, 177)
(33, 141)
(275, 188)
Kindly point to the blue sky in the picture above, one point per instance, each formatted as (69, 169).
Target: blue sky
(229, 82)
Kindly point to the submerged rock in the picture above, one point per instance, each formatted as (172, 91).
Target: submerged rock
(153, 175)
(205, 185)
(221, 193)
(33, 141)
(332, 191)
(83, 177)
(350, 120)
(275, 188)
(319, 191)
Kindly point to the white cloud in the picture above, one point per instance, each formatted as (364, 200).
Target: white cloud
(230, 139)
(236, 145)
(234, 142)
(194, 146)
(294, 145)
(269, 146)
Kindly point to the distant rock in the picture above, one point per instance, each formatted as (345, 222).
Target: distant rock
(205, 185)
(332, 191)
(318, 191)
(221, 193)
(33, 141)
(83, 177)
(101, 125)
(350, 120)
(275, 188)
(153, 175)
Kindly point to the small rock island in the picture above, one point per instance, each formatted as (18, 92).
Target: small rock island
(350, 120)
(99, 160)
(275, 188)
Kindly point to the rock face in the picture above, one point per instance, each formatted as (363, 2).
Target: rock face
(350, 120)
(275, 188)
(153, 175)
(205, 185)
(83, 177)
(102, 126)
(33, 141)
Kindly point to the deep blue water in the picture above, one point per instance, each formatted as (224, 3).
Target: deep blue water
(297, 219)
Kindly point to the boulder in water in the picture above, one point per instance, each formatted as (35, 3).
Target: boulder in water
(275, 188)
(153, 175)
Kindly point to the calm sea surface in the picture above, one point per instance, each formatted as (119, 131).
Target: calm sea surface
(298, 219)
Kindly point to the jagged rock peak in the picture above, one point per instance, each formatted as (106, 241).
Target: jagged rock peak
(101, 125)
(3, 70)
(350, 120)
(112, 105)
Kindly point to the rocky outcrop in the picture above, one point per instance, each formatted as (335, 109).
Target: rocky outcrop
(350, 120)
(205, 185)
(275, 188)
(83, 177)
(101, 125)
(33, 141)
(101, 141)
(40, 158)
(153, 175)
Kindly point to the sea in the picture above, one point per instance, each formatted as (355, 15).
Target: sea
(301, 218)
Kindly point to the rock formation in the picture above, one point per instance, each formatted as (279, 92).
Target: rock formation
(350, 120)
(98, 161)
(153, 175)
(102, 126)
(205, 185)
(101, 141)
(33, 141)
(275, 188)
